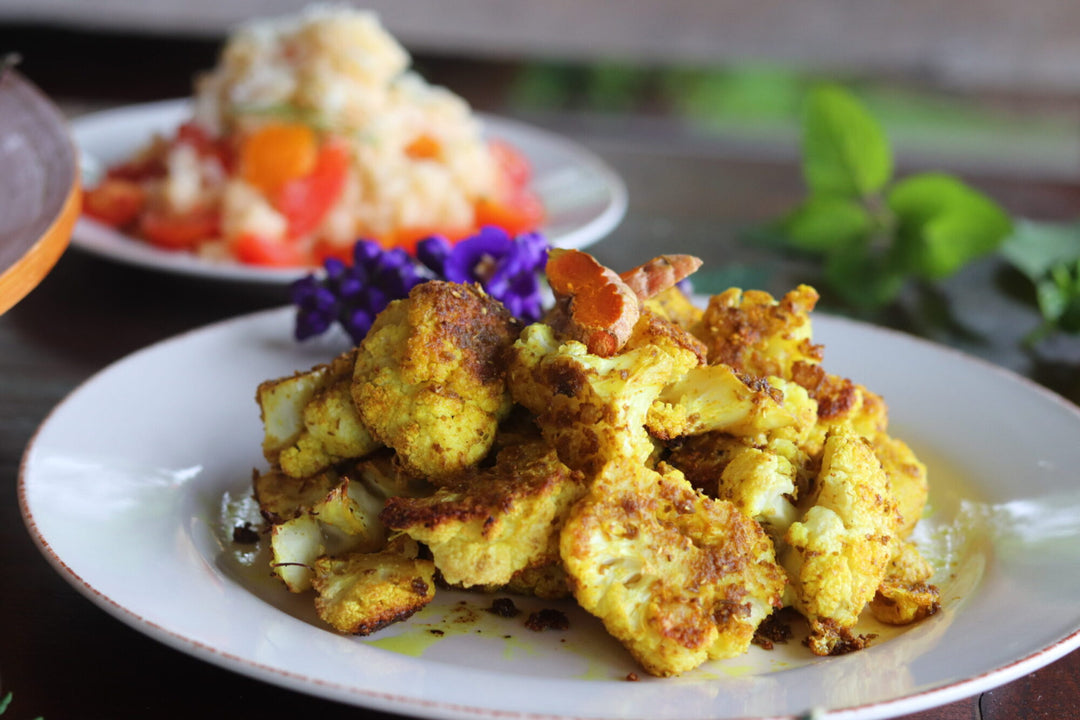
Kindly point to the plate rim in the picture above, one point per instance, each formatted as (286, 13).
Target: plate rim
(97, 239)
(394, 702)
(54, 227)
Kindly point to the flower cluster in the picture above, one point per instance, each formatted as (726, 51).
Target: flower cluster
(508, 268)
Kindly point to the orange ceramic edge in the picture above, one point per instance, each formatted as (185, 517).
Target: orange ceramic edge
(22, 277)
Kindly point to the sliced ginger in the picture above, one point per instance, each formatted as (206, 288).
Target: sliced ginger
(601, 307)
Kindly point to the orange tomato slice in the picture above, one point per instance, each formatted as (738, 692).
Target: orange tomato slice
(276, 154)
(304, 201)
(520, 213)
(256, 250)
(179, 232)
(115, 202)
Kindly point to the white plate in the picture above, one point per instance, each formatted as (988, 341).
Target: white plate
(132, 483)
(584, 199)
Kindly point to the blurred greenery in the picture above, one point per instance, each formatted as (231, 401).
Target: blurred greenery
(762, 102)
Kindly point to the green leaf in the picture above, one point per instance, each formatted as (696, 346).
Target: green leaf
(1058, 294)
(845, 150)
(942, 224)
(5, 701)
(823, 223)
(1036, 247)
(864, 277)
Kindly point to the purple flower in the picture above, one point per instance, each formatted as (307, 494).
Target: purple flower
(352, 295)
(508, 269)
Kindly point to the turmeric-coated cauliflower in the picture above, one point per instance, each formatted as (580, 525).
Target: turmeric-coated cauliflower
(678, 578)
(484, 526)
(836, 555)
(429, 379)
(593, 409)
(905, 594)
(712, 398)
(360, 593)
(309, 420)
(758, 335)
(907, 478)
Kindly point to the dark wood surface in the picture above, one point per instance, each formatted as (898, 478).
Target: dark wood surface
(63, 657)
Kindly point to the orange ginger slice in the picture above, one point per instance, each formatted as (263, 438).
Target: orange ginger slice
(660, 274)
(600, 309)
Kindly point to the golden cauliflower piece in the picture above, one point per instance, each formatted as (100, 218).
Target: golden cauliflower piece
(282, 497)
(360, 593)
(674, 305)
(484, 526)
(345, 518)
(764, 481)
(758, 335)
(309, 420)
(429, 379)
(593, 409)
(907, 478)
(905, 596)
(763, 485)
(678, 578)
(711, 398)
(840, 401)
(838, 552)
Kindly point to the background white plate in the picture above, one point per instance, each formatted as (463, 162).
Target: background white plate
(131, 485)
(584, 199)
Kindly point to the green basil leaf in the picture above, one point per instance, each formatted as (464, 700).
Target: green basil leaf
(823, 223)
(1034, 247)
(943, 224)
(845, 150)
(1058, 294)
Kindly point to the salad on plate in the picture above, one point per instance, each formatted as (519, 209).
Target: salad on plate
(313, 131)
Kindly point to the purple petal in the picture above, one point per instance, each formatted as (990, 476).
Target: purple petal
(365, 251)
(357, 322)
(432, 252)
(489, 245)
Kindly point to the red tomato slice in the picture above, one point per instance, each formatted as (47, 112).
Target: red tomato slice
(521, 213)
(114, 202)
(512, 163)
(179, 232)
(256, 250)
(305, 201)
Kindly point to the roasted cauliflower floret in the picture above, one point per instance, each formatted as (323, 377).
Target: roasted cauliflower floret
(333, 432)
(905, 595)
(429, 378)
(836, 555)
(711, 398)
(674, 305)
(677, 577)
(483, 526)
(345, 518)
(592, 409)
(309, 420)
(360, 593)
(758, 335)
(763, 485)
(907, 477)
(840, 401)
(282, 497)
(764, 482)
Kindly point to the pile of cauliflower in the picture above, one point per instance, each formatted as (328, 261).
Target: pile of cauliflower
(683, 490)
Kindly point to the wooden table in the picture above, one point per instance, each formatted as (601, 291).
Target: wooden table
(61, 656)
